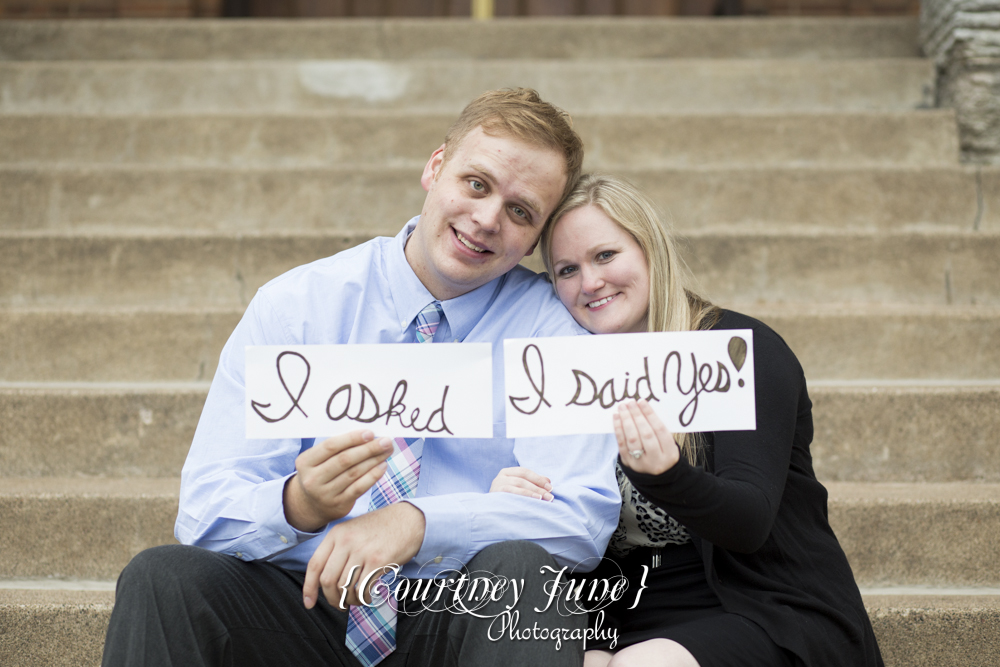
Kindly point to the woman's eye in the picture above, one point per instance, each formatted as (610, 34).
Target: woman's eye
(566, 270)
(606, 255)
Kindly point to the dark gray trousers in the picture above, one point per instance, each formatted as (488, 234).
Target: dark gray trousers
(186, 606)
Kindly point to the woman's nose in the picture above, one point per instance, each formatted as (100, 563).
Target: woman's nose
(592, 281)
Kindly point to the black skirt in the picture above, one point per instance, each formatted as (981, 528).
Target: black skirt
(678, 604)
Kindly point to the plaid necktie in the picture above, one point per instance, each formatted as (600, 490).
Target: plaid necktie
(371, 631)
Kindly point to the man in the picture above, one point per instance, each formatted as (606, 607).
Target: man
(260, 508)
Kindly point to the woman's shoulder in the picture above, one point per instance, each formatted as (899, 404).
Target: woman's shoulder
(767, 341)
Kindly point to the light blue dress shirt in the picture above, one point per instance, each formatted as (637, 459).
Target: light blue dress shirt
(231, 487)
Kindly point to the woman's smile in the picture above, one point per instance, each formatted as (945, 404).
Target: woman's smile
(594, 305)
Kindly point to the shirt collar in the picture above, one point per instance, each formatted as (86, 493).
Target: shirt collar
(409, 295)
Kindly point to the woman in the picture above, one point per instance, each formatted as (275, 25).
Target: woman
(745, 569)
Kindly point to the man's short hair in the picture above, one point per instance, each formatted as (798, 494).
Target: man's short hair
(519, 113)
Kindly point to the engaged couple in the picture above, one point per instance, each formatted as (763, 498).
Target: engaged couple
(725, 533)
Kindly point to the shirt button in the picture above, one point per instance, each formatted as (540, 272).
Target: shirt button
(283, 539)
(438, 560)
(457, 340)
(239, 554)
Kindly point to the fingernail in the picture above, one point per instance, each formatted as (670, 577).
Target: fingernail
(548, 486)
(309, 602)
(386, 443)
(367, 435)
(549, 497)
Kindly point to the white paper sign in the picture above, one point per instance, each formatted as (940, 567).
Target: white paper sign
(695, 381)
(444, 390)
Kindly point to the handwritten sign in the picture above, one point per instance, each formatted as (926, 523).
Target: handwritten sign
(695, 381)
(310, 391)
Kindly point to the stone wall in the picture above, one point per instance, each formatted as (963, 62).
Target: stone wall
(963, 36)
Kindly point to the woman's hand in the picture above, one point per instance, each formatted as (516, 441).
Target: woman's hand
(645, 444)
(522, 482)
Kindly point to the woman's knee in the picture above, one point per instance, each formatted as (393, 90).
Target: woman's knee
(654, 653)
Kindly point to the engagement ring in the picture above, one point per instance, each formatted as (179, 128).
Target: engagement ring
(636, 453)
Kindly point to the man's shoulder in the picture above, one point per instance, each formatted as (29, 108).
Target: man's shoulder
(539, 312)
(307, 304)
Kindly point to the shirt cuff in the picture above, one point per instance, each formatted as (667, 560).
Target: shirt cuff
(447, 537)
(275, 534)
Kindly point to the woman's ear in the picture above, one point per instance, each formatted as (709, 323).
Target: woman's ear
(432, 168)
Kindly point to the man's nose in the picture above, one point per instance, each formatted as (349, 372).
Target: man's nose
(489, 214)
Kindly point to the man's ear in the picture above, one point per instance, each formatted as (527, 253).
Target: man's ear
(432, 168)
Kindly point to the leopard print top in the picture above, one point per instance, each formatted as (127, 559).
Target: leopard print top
(641, 523)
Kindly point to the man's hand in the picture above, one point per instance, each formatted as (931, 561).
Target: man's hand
(391, 535)
(331, 476)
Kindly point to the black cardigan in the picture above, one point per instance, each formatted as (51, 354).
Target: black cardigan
(759, 519)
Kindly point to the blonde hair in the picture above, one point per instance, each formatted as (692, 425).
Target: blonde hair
(520, 113)
(673, 306)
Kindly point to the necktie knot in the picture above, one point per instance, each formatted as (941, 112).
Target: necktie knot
(428, 320)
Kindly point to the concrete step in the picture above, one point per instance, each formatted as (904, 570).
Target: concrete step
(54, 628)
(215, 270)
(885, 343)
(733, 266)
(82, 528)
(873, 345)
(645, 37)
(69, 430)
(898, 534)
(916, 267)
(402, 139)
(932, 534)
(873, 433)
(936, 630)
(906, 433)
(130, 346)
(353, 198)
(445, 86)
(60, 628)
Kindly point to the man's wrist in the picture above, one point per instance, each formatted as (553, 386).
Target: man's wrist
(414, 520)
(299, 512)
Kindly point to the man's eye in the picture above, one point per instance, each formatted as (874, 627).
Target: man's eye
(520, 212)
(477, 186)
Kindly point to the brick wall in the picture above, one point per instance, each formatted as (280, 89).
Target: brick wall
(41, 9)
(30, 9)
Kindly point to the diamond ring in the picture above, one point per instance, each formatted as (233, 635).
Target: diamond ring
(637, 453)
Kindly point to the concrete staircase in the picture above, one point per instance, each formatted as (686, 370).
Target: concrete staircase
(154, 174)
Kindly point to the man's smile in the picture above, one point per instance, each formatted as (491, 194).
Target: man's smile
(469, 244)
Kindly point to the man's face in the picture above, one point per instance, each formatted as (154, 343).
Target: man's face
(484, 211)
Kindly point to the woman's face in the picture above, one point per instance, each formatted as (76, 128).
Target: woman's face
(601, 275)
